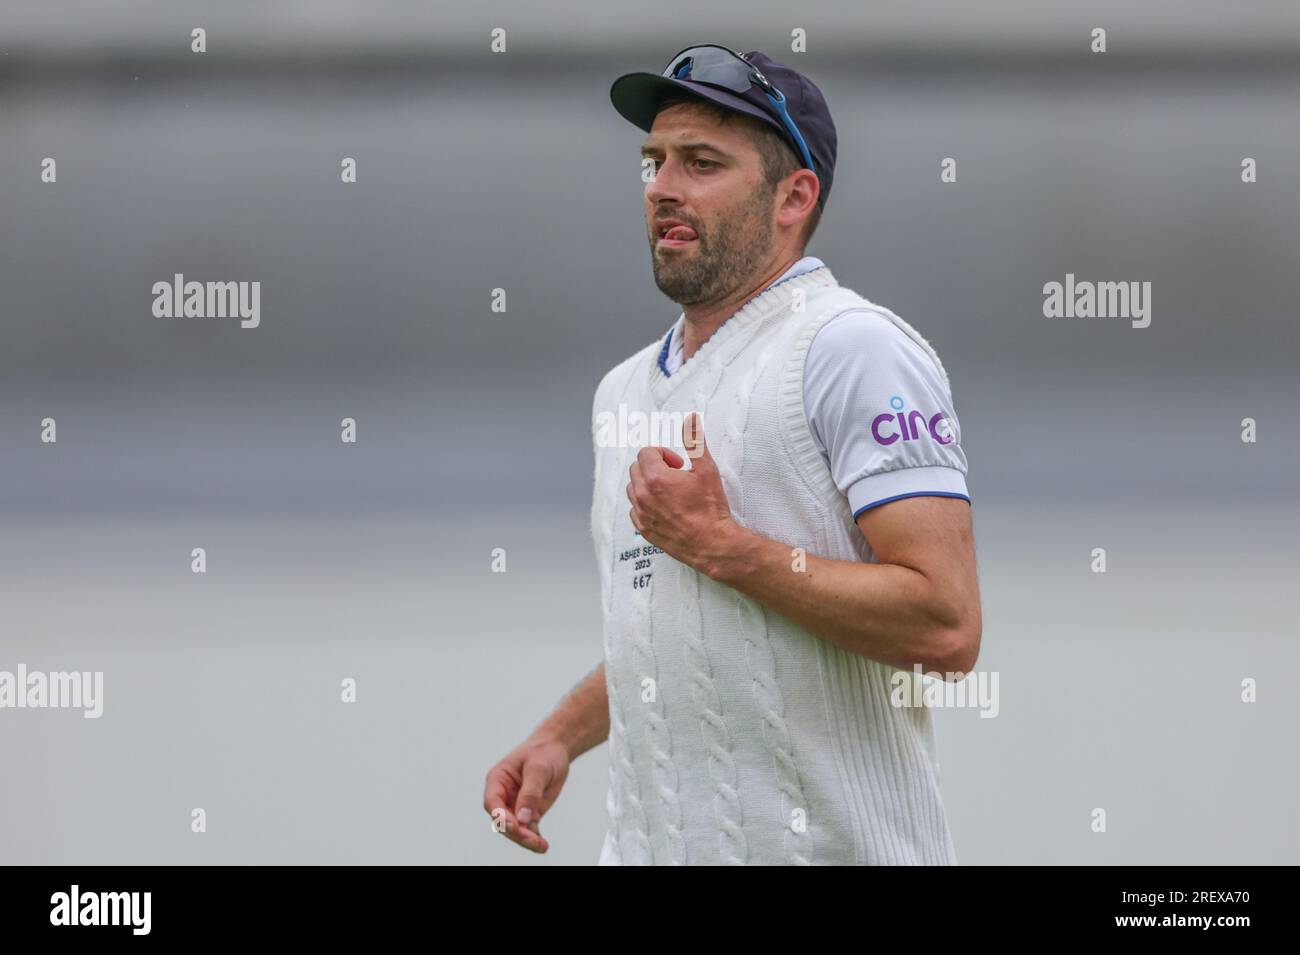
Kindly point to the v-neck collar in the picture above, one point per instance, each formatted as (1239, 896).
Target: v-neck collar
(673, 344)
(763, 305)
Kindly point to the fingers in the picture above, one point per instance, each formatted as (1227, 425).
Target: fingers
(655, 460)
(634, 488)
(651, 466)
(498, 795)
(693, 438)
(640, 484)
(529, 837)
(496, 791)
(528, 804)
(672, 458)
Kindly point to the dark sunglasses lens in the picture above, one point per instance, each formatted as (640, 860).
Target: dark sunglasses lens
(710, 64)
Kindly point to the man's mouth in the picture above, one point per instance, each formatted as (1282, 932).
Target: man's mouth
(674, 236)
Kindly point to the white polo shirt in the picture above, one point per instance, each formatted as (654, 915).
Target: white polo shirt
(864, 379)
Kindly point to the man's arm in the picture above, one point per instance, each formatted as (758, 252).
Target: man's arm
(523, 785)
(918, 604)
(580, 720)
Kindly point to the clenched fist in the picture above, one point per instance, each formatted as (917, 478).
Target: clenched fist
(683, 512)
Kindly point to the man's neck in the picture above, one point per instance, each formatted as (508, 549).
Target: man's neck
(703, 320)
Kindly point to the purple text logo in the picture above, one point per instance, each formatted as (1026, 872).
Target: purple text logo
(889, 427)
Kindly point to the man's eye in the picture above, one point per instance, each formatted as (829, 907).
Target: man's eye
(706, 163)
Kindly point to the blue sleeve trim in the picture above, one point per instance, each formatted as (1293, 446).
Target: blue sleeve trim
(899, 497)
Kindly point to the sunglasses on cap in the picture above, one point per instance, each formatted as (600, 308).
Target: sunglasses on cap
(719, 66)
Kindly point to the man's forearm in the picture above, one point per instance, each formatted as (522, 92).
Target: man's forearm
(886, 612)
(581, 720)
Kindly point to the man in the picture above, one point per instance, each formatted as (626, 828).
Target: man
(761, 599)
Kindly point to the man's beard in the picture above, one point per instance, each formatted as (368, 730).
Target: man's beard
(720, 262)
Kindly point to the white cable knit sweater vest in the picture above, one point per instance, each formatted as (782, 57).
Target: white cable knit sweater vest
(736, 736)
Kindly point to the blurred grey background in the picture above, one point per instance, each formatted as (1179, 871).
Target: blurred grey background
(479, 171)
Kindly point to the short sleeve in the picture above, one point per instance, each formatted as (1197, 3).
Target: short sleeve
(881, 413)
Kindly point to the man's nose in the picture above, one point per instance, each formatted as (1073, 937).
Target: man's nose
(664, 187)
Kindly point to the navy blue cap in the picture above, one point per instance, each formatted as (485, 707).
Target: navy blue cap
(637, 96)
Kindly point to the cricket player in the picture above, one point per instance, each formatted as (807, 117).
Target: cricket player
(780, 519)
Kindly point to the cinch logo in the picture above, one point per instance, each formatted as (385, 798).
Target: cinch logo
(888, 428)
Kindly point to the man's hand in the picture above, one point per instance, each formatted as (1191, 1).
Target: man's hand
(683, 512)
(522, 787)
